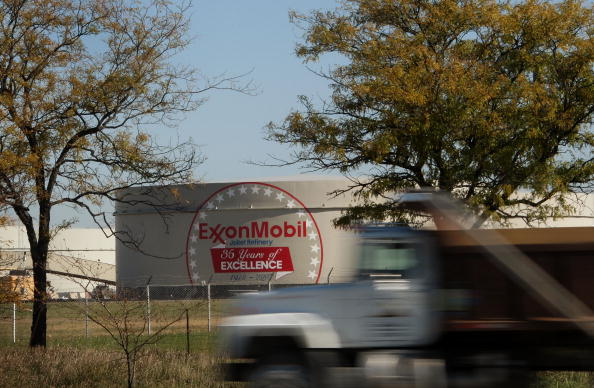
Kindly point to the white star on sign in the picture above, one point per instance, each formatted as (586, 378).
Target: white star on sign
(193, 264)
(300, 213)
(194, 238)
(202, 215)
(315, 248)
(280, 196)
(312, 235)
(192, 251)
(309, 223)
(311, 274)
(291, 204)
(267, 191)
(220, 198)
(231, 193)
(255, 189)
(210, 205)
(314, 261)
(195, 277)
(242, 189)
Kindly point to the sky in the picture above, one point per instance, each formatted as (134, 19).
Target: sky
(236, 37)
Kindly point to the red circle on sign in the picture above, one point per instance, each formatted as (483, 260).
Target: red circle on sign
(231, 232)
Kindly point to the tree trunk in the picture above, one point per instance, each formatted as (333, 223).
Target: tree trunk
(39, 321)
(39, 252)
(38, 249)
(130, 361)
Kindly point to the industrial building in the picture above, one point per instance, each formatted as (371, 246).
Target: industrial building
(275, 231)
(79, 259)
(258, 232)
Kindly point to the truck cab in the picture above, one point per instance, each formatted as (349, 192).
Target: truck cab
(398, 271)
(390, 304)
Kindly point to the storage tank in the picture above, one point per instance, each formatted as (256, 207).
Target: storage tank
(277, 231)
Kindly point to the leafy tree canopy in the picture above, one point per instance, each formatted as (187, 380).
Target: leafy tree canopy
(490, 100)
(81, 81)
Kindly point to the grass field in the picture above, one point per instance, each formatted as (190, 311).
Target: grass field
(81, 353)
(73, 359)
(67, 323)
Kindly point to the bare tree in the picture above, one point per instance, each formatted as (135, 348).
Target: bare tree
(125, 320)
(125, 314)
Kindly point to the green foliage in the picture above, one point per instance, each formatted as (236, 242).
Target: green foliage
(489, 100)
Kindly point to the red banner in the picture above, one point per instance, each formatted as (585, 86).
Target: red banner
(259, 259)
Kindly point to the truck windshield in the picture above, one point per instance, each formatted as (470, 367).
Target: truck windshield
(389, 259)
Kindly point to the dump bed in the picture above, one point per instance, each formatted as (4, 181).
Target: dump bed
(484, 303)
(478, 291)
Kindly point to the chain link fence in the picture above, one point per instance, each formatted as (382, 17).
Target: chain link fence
(156, 309)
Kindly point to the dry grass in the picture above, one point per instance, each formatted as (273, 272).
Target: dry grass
(71, 360)
(563, 380)
(74, 367)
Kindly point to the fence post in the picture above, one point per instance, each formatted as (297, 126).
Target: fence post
(187, 333)
(209, 304)
(148, 307)
(86, 316)
(14, 323)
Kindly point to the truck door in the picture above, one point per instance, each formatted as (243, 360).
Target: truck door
(399, 309)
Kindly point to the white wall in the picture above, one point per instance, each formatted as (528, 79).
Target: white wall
(86, 244)
(172, 251)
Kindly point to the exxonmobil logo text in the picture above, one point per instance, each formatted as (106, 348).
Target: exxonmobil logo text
(256, 229)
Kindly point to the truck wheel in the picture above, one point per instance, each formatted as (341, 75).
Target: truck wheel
(281, 370)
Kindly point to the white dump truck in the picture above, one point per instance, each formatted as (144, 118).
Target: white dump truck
(438, 308)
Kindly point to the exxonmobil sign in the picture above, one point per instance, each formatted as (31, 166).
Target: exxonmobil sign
(233, 240)
(219, 233)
